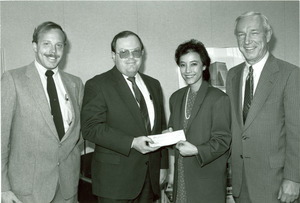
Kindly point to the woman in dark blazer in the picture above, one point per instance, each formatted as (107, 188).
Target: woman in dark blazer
(203, 112)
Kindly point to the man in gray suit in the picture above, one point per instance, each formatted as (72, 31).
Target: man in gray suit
(40, 130)
(265, 99)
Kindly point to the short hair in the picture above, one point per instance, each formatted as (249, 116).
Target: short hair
(44, 27)
(124, 34)
(264, 19)
(197, 47)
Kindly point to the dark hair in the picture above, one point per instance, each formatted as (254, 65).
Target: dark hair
(197, 47)
(124, 34)
(44, 27)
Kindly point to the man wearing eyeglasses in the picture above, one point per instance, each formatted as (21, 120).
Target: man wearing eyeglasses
(120, 109)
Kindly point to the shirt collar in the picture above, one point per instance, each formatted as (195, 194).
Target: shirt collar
(261, 63)
(137, 76)
(42, 70)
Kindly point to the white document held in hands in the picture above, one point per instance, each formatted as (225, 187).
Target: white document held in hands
(167, 138)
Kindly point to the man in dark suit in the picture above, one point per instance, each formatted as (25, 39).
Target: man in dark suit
(120, 108)
(40, 125)
(265, 97)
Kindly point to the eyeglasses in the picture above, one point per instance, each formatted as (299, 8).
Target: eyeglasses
(124, 54)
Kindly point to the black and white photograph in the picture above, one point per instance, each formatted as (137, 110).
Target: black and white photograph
(150, 101)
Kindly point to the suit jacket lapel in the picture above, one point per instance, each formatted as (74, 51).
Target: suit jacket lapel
(267, 79)
(198, 102)
(237, 84)
(36, 88)
(71, 92)
(178, 109)
(127, 97)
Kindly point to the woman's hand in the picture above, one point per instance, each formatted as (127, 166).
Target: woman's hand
(186, 149)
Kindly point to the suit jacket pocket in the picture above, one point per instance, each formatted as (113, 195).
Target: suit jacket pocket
(276, 161)
(21, 178)
(107, 157)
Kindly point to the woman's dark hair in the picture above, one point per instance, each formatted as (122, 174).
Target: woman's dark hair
(197, 47)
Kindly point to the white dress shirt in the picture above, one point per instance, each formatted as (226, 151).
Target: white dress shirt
(257, 69)
(148, 99)
(63, 97)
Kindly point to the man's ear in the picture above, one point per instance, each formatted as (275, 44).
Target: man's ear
(34, 46)
(113, 56)
(269, 35)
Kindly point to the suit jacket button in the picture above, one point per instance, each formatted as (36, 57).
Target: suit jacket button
(241, 156)
(57, 163)
(147, 163)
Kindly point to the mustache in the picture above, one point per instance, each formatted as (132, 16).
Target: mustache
(52, 55)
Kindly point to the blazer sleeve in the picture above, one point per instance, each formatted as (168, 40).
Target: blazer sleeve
(80, 98)
(292, 126)
(8, 99)
(220, 138)
(81, 91)
(171, 106)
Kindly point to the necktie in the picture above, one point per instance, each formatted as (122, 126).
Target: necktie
(54, 104)
(248, 93)
(143, 107)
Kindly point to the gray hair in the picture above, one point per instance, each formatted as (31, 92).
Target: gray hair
(266, 25)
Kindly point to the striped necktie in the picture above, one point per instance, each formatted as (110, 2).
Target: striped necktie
(248, 93)
(143, 107)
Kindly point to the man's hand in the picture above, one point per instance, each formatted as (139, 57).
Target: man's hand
(288, 191)
(9, 197)
(141, 144)
(186, 149)
(167, 130)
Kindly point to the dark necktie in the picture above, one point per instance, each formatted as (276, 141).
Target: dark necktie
(54, 103)
(143, 107)
(248, 93)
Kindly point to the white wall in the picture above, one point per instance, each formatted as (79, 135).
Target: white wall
(162, 25)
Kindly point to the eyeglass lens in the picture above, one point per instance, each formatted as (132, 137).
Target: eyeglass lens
(126, 53)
